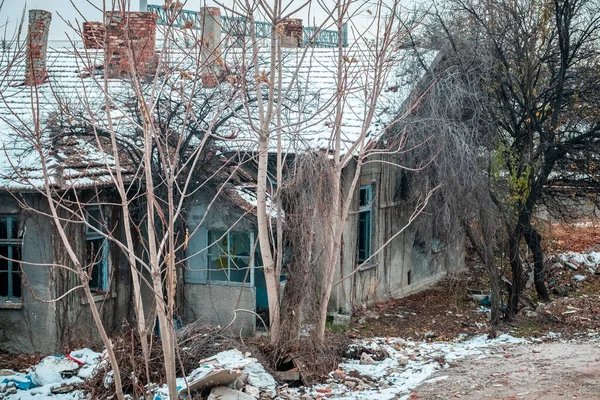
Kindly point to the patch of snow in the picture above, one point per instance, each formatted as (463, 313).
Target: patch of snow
(391, 379)
(50, 368)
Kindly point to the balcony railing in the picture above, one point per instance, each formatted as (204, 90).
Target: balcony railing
(238, 26)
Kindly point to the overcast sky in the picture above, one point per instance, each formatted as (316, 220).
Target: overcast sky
(72, 10)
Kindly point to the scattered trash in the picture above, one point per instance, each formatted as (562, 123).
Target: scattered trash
(212, 379)
(62, 389)
(571, 265)
(366, 359)
(578, 277)
(224, 393)
(478, 294)
(21, 381)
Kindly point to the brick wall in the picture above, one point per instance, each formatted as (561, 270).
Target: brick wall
(93, 35)
(140, 28)
(293, 31)
(210, 18)
(37, 45)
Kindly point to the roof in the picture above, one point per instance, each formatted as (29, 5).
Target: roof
(74, 91)
(71, 160)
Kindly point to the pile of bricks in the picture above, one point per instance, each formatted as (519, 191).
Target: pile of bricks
(131, 30)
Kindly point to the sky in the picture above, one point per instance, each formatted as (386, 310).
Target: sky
(72, 11)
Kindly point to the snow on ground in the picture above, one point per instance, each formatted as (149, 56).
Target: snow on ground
(406, 365)
(51, 373)
(591, 259)
(409, 364)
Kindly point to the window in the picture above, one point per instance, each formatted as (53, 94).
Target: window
(10, 257)
(365, 222)
(229, 256)
(96, 249)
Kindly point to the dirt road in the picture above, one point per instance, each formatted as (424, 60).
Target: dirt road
(548, 371)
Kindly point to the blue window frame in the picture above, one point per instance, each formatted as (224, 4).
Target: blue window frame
(365, 223)
(229, 256)
(96, 249)
(10, 256)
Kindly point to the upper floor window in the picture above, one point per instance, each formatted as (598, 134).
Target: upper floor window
(10, 256)
(96, 249)
(365, 223)
(229, 256)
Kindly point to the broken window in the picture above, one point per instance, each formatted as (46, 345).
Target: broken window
(365, 223)
(96, 249)
(10, 257)
(229, 256)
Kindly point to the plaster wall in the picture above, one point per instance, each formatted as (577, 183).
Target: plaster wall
(29, 326)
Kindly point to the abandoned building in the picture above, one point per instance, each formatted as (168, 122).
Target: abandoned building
(39, 310)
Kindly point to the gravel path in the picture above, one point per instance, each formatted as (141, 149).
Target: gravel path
(549, 371)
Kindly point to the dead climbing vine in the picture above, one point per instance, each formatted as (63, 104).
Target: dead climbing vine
(307, 204)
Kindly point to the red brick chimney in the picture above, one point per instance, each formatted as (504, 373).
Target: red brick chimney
(37, 45)
(212, 62)
(93, 35)
(141, 32)
(293, 32)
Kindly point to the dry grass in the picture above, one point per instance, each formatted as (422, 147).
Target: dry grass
(560, 238)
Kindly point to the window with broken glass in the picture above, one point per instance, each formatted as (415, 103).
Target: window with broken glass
(365, 223)
(229, 256)
(10, 256)
(96, 249)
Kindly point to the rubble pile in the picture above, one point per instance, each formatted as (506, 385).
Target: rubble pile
(567, 272)
(56, 377)
(408, 364)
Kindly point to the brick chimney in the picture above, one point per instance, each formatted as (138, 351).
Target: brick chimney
(141, 30)
(293, 32)
(210, 41)
(93, 35)
(37, 45)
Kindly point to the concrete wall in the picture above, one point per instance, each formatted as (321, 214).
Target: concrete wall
(29, 326)
(35, 326)
(114, 305)
(213, 304)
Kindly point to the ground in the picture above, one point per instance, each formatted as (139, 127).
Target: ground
(549, 371)
(446, 310)
(437, 344)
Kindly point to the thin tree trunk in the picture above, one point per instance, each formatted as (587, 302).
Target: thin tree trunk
(534, 242)
(333, 249)
(485, 253)
(166, 329)
(517, 272)
(271, 280)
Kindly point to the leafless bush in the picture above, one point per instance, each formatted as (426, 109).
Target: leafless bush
(307, 202)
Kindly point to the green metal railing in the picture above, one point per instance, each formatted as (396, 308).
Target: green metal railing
(238, 26)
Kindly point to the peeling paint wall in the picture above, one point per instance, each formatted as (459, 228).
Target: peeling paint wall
(30, 327)
(38, 325)
(411, 261)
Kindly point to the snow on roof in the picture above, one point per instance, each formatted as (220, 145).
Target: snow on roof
(78, 160)
(312, 83)
(31, 126)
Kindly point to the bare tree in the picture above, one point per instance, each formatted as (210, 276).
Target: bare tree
(532, 68)
(147, 124)
(283, 109)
